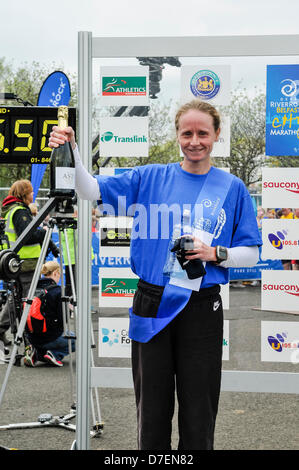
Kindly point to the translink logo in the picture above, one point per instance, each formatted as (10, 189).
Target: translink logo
(108, 136)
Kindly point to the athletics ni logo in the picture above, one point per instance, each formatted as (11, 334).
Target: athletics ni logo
(109, 337)
(277, 240)
(124, 86)
(118, 287)
(205, 84)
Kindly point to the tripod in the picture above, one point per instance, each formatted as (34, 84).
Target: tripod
(8, 267)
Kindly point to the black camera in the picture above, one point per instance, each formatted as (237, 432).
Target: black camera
(194, 268)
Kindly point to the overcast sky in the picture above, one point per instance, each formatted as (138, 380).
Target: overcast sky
(47, 32)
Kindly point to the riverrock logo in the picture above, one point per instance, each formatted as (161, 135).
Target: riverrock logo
(293, 186)
(108, 136)
(279, 342)
(205, 84)
(124, 86)
(119, 287)
(56, 96)
(289, 87)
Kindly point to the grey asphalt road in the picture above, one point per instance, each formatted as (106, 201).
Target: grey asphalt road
(246, 421)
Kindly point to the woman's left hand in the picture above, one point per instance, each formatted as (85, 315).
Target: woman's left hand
(201, 251)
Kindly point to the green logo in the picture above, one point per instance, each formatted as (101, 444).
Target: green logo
(123, 86)
(118, 287)
(107, 136)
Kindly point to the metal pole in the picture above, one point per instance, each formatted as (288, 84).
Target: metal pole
(84, 247)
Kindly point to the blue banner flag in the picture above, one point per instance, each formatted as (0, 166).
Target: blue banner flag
(55, 91)
(282, 110)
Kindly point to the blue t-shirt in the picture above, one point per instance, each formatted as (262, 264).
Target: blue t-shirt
(154, 195)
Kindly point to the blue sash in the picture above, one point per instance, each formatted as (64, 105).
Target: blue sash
(175, 298)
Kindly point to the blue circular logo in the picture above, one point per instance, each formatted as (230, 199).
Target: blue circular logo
(205, 84)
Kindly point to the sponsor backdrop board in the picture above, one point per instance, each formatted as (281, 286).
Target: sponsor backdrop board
(280, 291)
(282, 110)
(280, 238)
(124, 137)
(221, 148)
(115, 236)
(115, 342)
(280, 187)
(117, 287)
(208, 82)
(124, 86)
(280, 341)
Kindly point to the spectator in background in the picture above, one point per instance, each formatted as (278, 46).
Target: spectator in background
(52, 345)
(287, 213)
(17, 214)
(33, 209)
(270, 214)
(260, 215)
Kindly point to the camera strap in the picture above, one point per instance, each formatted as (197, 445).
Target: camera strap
(177, 291)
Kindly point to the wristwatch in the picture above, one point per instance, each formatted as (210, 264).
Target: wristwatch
(221, 254)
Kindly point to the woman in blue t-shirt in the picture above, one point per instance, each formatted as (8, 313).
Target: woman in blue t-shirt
(176, 322)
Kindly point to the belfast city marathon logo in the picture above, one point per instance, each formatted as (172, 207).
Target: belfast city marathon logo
(205, 84)
(124, 86)
(118, 287)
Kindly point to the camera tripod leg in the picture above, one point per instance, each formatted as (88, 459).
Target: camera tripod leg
(21, 328)
(97, 421)
(65, 309)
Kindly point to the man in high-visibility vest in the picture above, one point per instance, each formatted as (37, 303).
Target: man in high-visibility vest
(17, 214)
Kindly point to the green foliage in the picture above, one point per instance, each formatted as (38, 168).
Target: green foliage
(247, 119)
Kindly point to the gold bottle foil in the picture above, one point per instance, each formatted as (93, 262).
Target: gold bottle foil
(63, 114)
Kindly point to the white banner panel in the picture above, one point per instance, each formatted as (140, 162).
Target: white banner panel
(224, 292)
(280, 341)
(124, 86)
(124, 136)
(115, 236)
(117, 287)
(114, 340)
(208, 82)
(225, 349)
(221, 148)
(280, 238)
(280, 290)
(280, 187)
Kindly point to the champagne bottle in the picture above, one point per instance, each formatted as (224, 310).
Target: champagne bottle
(62, 166)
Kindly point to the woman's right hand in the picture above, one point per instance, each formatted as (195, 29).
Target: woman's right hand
(59, 136)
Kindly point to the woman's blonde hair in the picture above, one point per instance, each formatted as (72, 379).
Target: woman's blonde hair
(49, 267)
(202, 106)
(21, 189)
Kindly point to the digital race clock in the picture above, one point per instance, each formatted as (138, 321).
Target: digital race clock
(24, 133)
